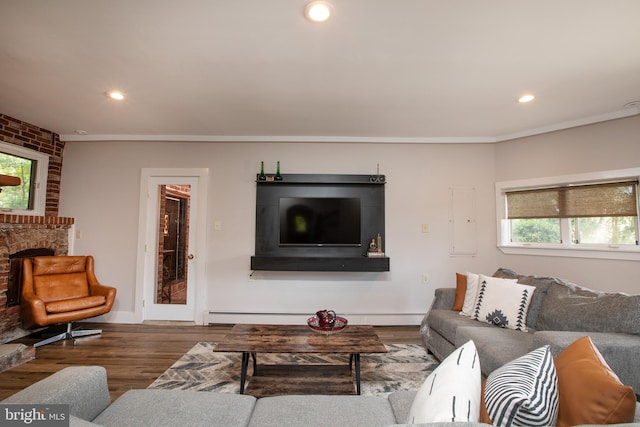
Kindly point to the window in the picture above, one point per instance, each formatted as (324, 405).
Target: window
(593, 215)
(31, 167)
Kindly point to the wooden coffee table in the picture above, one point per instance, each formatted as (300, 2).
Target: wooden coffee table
(252, 339)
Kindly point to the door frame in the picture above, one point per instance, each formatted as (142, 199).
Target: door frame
(146, 255)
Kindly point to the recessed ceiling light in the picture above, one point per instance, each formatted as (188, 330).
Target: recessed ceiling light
(318, 11)
(526, 98)
(115, 94)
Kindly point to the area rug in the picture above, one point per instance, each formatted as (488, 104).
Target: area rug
(404, 367)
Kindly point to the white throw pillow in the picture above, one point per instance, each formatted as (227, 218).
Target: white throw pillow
(524, 392)
(503, 302)
(452, 391)
(470, 294)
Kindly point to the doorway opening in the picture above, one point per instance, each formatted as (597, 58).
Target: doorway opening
(173, 244)
(189, 184)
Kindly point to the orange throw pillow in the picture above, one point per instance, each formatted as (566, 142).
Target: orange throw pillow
(484, 415)
(590, 392)
(461, 289)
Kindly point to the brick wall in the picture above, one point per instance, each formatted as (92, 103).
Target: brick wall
(181, 191)
(20, 232)
(14, 131)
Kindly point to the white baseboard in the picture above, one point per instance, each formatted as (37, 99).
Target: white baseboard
(114, 317)
(376, 319)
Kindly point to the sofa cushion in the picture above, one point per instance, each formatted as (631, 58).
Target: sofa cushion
(79, 422)
(452, 391)
(401, 402)
(54, 287)
(320, 410)
(74, 304)
(590, 392)
(496, 346)
(177, 408)
(569, 307)
(503, 303)
(446, 323)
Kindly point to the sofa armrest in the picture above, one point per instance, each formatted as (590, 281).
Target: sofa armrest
(32, 310)
(444, 298)
(83, 388)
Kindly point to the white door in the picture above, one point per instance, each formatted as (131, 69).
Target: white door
(148, 305)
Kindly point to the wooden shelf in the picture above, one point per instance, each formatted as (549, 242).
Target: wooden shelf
(289, 263)
(326, 179)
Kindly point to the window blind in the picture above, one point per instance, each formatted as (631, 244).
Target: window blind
(580, 201)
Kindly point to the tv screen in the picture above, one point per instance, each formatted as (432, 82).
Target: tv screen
(320, 221)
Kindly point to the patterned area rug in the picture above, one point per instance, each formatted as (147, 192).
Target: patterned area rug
(404, 367)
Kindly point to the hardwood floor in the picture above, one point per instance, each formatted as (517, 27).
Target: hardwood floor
(135, 355)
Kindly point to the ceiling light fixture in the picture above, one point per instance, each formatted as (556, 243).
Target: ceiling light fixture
(318, 11)
(526, 98)
(115, 94)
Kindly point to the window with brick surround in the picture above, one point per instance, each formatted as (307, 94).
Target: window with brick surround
(31, 167)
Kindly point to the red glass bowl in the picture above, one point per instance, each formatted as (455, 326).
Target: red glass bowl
(339, 325)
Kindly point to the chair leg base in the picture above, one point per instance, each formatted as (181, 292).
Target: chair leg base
(69, 334)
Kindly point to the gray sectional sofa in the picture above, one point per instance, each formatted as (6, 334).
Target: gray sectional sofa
(559, 313)
(85, 390)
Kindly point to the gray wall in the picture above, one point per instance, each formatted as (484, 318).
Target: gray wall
(605, 146)
(101, 186)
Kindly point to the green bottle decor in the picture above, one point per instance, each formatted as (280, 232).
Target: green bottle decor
(278, 176)
(262, 176)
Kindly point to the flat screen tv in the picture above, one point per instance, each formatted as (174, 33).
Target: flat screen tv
(320, 221)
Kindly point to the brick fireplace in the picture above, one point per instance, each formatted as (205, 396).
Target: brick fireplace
(19, 233)
(22, 232)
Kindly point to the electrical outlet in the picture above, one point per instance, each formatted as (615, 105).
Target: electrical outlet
(425, 278)
(217, 225)
(425, 228)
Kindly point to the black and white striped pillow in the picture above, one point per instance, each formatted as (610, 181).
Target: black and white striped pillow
(524, 392)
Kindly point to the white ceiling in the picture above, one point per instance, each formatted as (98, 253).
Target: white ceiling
(392, 70)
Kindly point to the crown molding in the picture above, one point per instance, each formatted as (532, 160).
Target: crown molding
(627, 112)
(307, 139)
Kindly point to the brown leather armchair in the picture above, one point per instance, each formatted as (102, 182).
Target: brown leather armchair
(62, 289)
